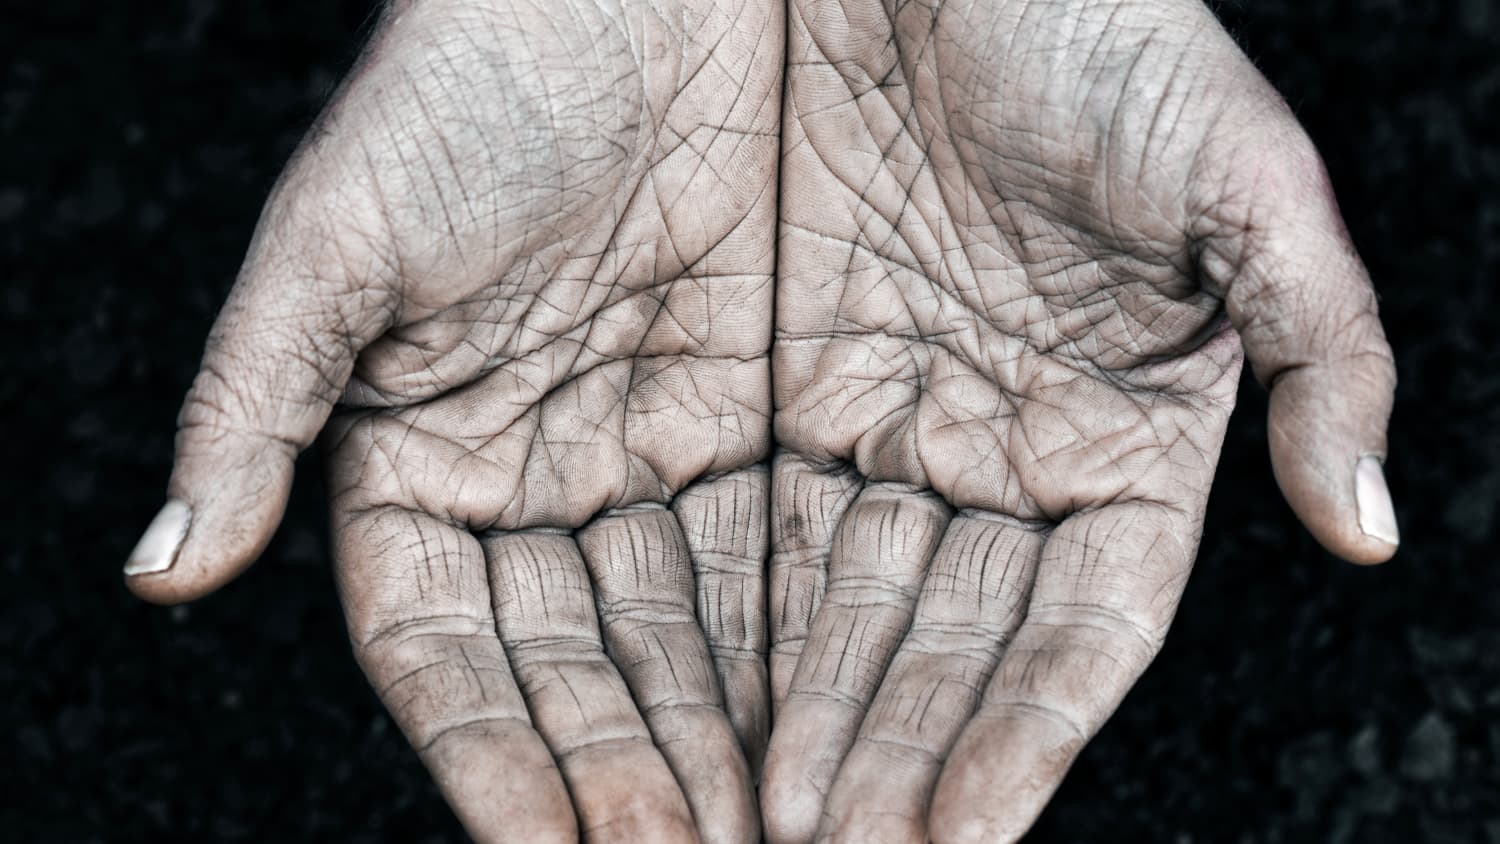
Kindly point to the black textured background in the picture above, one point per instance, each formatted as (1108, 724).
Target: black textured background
(1298, 699)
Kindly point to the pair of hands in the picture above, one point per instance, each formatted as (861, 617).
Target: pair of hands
(552, 280)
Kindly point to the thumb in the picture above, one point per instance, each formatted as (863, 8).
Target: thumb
(276, 360)
(1306, 312)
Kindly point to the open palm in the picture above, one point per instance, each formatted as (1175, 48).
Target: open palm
(528, 253)
(520, 278)
(1021, 247)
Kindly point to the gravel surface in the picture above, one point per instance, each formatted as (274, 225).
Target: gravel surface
(1298, 699)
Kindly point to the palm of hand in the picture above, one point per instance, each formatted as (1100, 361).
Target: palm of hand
(551, 249)
(608, 356)
(535, 267)
(1003, 373)
(574, 225)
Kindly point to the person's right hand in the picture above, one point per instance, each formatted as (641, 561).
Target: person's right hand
(528, 252)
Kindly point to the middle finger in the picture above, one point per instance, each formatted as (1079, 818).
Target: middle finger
(544, 610)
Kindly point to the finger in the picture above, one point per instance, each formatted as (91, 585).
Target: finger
(880, 553)
(971, 603)
(417, 603)
(643, 581)
(1106, 588)
(1304, 307)
(807, 504)
(277, 358)
(724, 523)
(622, 788)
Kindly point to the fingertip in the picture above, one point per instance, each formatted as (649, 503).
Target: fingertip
(502, 783)
(156, 552)
(883, 827)
(1377, 513)
(704, 754)
(188, 579)
(1353, 518)
(159, 590)
(786, 818)
(946, 826)
(1365, 551)
(169, 566)
(956, 821)
(790, 807)
(226, 502)
(211, 555)
(999, 777)
(1327, 437)
(731, 815)
(638, 803)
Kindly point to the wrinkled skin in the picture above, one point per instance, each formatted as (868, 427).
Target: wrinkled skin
(533, 265)
(1017, 239)
(521, 279)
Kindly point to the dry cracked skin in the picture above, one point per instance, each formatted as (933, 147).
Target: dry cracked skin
(863, 363)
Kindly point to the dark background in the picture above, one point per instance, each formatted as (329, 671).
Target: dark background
(1298, 699)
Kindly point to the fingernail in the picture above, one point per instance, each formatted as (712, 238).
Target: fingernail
(157, 549)
(1377, 517)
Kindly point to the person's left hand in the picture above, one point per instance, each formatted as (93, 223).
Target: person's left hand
(1022, 246)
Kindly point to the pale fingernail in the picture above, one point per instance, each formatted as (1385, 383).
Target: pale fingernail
(1377, 517)
(157, 549)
